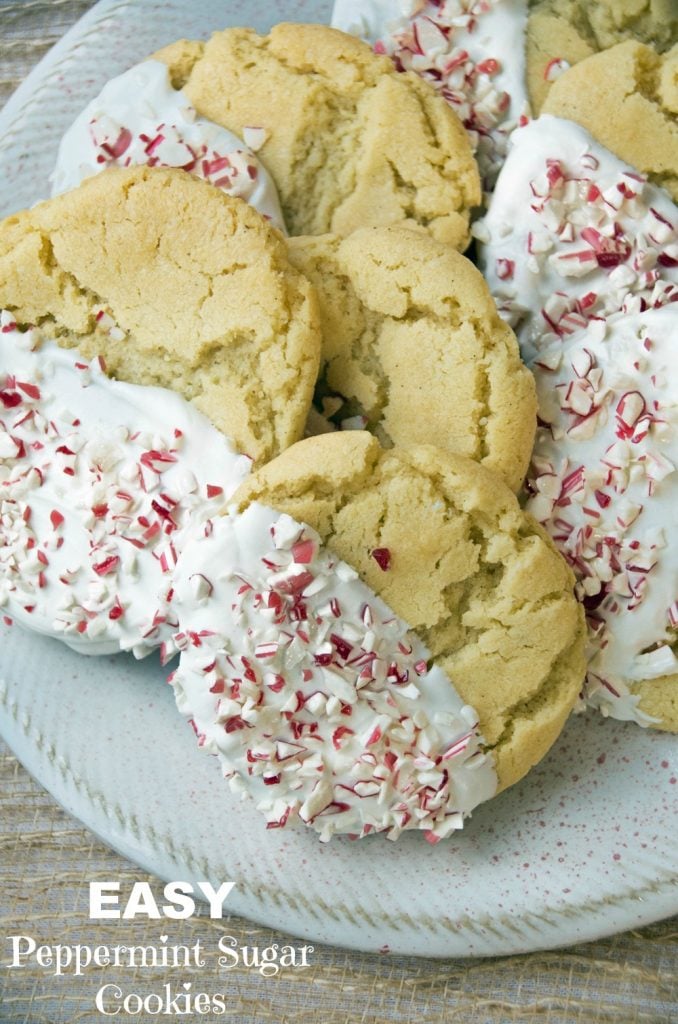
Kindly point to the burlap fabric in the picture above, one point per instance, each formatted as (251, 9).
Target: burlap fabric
(47, 861)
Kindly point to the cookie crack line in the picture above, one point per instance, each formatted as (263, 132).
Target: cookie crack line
(484, 395)
(523, 710)
(339, 137)
(471, 200)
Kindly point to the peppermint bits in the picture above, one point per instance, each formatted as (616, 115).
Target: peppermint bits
(382, 557)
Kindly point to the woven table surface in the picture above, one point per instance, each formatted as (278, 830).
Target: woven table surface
(47, 862)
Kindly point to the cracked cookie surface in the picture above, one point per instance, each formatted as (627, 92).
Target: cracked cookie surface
(470, 572)
(176, 285)
(572, 30)
(412, 342)
(350, 142)
(627, 98)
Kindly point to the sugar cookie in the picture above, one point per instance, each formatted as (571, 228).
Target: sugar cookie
(627, 98)
(176, 285)
(573, 235)
(413, 343)
(348, 140)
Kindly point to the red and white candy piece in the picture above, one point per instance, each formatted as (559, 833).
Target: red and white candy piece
(100, 483)
(318, 701)
(604, 483)
(470, 51)
(573, 235)
(138, 118)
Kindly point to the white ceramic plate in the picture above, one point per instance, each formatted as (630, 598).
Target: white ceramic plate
(583, 847)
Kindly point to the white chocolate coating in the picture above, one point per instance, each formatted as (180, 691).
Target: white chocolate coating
(573, 234)
(138, 118)
(604, 483)
(471, 51)
(316, 698)
(99, 484)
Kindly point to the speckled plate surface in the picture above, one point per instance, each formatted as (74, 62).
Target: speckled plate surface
(583, 847)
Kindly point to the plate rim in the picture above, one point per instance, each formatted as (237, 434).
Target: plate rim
(39, 75)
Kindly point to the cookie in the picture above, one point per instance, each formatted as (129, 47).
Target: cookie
(472, 54)
(176, 285)
(561, 33)
(414, 346)
(444, 543)
(138, 118)
(627, 98)
(349, 141)
(604, 483)
(100, 483)
(573, 235)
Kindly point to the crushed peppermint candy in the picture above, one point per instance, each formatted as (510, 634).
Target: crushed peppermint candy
(318, 701)
(604, 483)
(470, 51)
(99, 484)
(139, 119)
(573, 236)
(382, 557)
(555, 68)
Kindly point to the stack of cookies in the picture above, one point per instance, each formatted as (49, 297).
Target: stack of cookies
(262, 419)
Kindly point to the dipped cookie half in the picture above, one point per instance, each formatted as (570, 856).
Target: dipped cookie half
(375, 640)
(603, 483)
